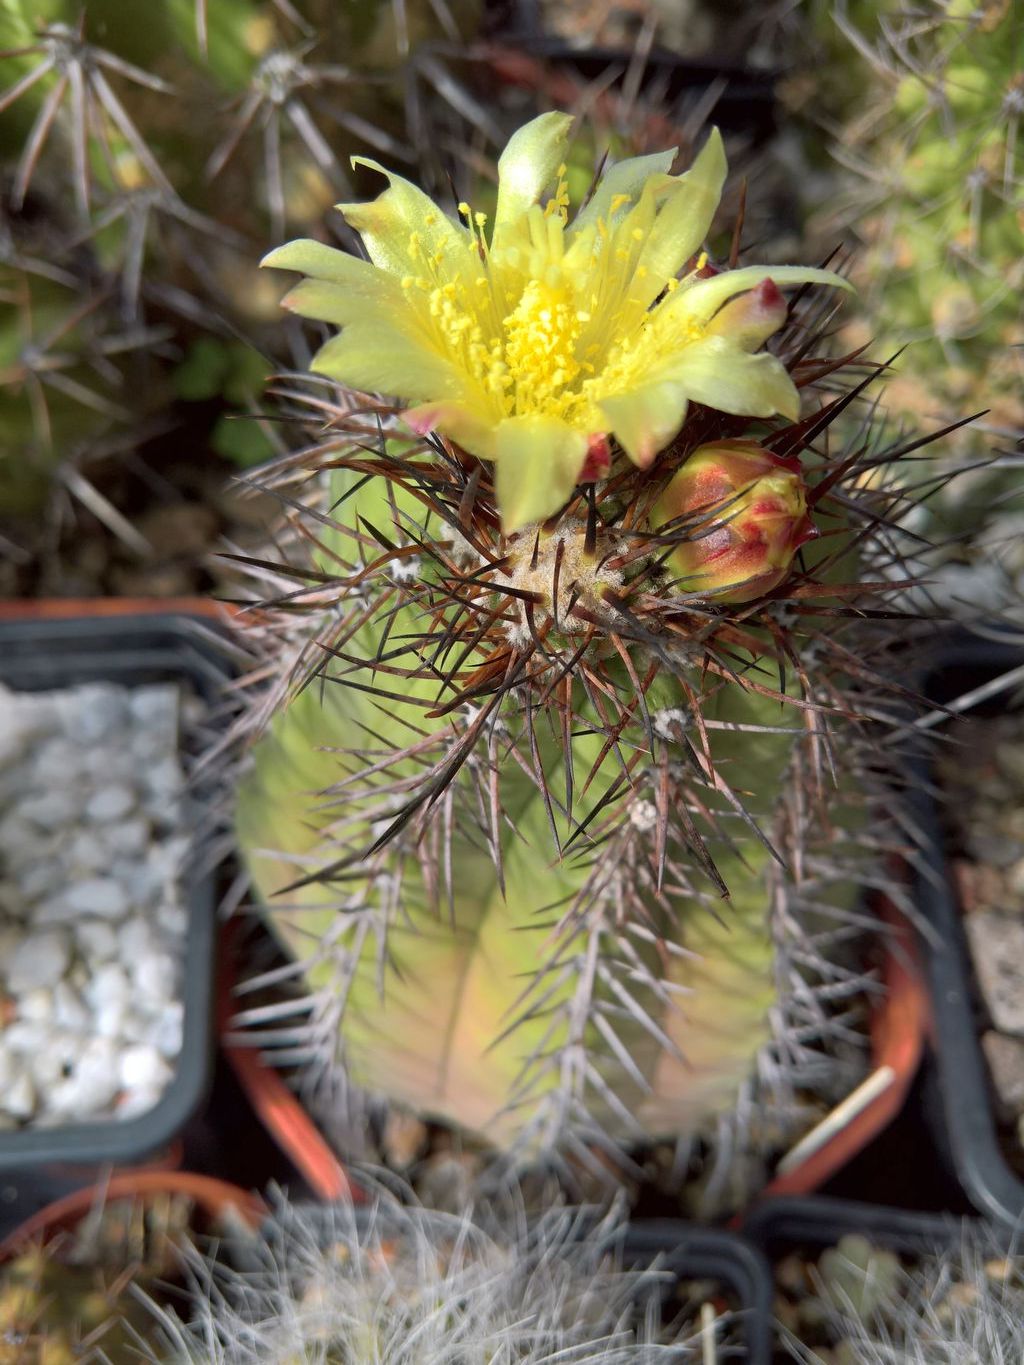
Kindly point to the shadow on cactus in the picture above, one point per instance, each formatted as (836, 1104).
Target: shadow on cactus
(566, 773)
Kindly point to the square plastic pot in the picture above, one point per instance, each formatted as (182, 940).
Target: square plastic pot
(67, 645)
(689, 1252)
(965, 1127)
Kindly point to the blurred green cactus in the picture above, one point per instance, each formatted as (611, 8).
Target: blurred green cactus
(939, 202)
(82, 1295)
(148, 155)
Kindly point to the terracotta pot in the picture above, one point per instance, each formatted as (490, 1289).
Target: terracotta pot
(277, 1107)
(899, 1025)
(212, 1197)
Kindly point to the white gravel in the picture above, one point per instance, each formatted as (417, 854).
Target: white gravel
(92, 915)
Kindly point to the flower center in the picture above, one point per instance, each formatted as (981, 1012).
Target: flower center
(540, 349)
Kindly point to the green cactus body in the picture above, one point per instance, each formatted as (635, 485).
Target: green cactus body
(461, 1014)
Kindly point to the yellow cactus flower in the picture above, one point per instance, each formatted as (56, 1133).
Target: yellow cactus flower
(532, 345)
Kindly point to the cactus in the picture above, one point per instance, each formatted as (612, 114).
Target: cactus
(79, 1297)
(937, 196)
(394, 1282)
(947, 1306)
(146, 160)
(548, 814)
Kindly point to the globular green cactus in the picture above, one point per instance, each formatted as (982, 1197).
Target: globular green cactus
(387, 1281)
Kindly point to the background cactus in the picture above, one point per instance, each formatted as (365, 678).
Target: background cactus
(82, 1295)
(936, 192)
(394, 1282)
(947, 1306)
(146, 165)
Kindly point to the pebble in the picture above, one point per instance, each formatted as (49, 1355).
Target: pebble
(37, 1005)
(54, 809)
(98, 896)
(156, 975)
(128, 837)
(1005, 1057)
(143, 1067)
(39, 879)
(92, 917)
(20, 1097)
(69, 1010)
(997, 946)
(111, 803)
(166, 1030)
(39, 960)
(97, 939)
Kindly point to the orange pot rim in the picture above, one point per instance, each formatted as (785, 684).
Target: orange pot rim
(211, 1195)
(62, 608)
(899, 1026)
(279, 1110)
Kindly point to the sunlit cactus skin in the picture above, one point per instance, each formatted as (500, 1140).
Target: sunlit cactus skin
(458, 1018)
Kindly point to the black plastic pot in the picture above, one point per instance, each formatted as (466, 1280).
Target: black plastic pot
(967, 1133)
(38, 653)
(695, 1253)
(811, 1223)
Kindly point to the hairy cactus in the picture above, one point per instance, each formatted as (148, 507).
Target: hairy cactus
(393, 1282)
(561, 797)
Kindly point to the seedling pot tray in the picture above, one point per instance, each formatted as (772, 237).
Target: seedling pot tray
(69, 645)
(779, 1226)
(967, 1131)
(689, 1252)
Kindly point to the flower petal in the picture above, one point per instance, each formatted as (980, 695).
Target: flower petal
(720, 375)
(700, 300)
(625, 181)
(526, 167)
(538, 464)
(376, 358)
(644, 420)
(344, 303)
(403, 225)
(685, 217)
(314, 258)
(749, 320)
(465, 425)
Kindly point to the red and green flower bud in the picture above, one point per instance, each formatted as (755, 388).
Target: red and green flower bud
(740, 513)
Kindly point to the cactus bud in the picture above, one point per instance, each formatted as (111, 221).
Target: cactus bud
(744, 514)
